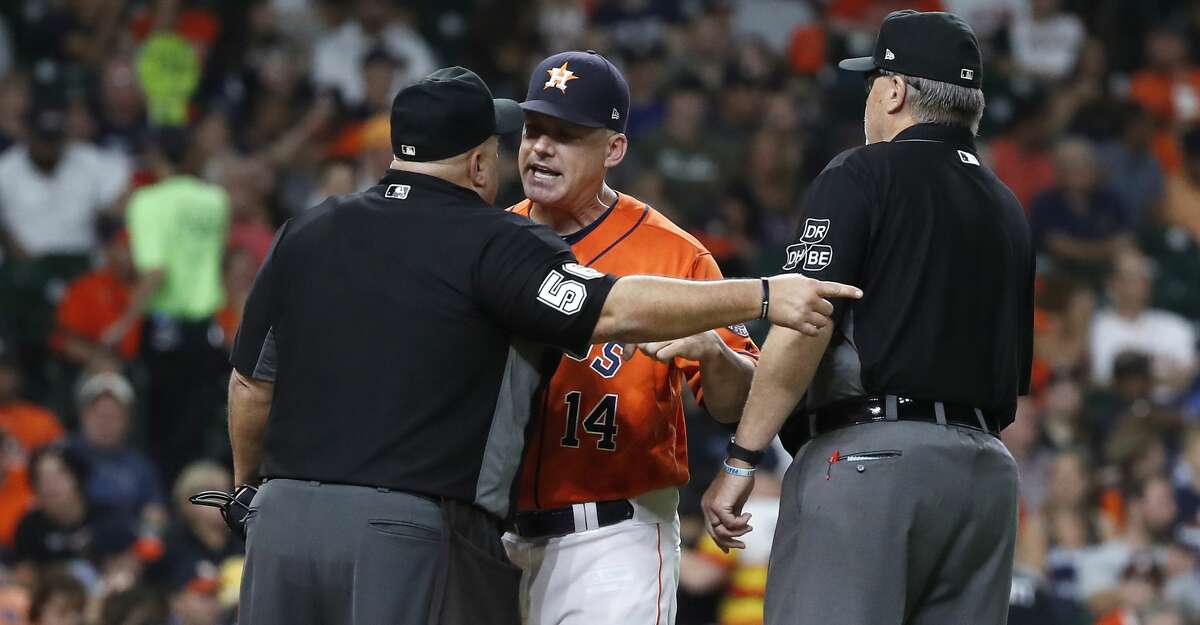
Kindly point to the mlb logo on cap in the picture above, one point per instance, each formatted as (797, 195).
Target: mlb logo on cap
(580, 87)
(408, 150)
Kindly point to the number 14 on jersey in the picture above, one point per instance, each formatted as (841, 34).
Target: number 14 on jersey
(601, 421)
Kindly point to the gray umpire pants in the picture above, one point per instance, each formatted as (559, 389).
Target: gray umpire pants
(329, 554)
(914, 524)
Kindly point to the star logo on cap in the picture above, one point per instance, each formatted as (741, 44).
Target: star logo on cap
(559, 76)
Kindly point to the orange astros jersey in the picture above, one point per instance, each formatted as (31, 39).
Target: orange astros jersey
(611, 429)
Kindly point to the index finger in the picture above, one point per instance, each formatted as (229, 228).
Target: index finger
(837, 289)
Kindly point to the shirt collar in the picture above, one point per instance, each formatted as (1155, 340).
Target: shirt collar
(429, 183)
(954, 135)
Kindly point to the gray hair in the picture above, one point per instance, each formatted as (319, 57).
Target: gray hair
(942, 103)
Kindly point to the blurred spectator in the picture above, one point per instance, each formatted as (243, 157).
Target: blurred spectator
(237, 274)
(58, 599)
(177, 229)
(1033, 459)
(1129, 165)
(14, 603)
(637, 25)
(1129, 324)
(196, 601)
(136, 606)
(249, 183)
(1062, 419)
(14, 106)
(988, 18)
(1181, 209)
(1141, 586)
(1021, 158)
(561, 23)
(120, 478)
(1105, 568)
(1046, 42)
(54, 189)
(94, 302)
(122, 110)
(1187, 488)
(27, 424)
(1063, 324)
(646, 107)
(24, 427)
(685, 154)
(64, 527)
(1128, 398)
(338, 55)
(198, 544)
(1080, 224)
(1183, 580)
(1169, 85)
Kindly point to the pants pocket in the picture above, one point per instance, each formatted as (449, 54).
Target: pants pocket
(481, 587)
(405, 529)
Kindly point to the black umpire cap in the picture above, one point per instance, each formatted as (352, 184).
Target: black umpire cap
(447, 113)
(580, 87)
(937, 46)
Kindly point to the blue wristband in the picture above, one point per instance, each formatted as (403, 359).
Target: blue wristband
(738, 471)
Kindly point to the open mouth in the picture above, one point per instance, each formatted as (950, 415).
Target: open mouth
(541, 172)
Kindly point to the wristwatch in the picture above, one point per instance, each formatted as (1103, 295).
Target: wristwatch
(737, 452)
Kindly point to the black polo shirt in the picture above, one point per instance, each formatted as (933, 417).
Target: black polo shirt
(404, 328)
(941, 249)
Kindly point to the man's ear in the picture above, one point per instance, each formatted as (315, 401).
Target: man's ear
(897, 94)
(618, 145)
(475, 168)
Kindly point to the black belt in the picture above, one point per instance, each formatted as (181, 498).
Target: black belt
(860, 410)
(571, 519)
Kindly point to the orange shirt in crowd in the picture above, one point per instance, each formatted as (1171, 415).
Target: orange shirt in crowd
(1157, 92)
(93, 302)
(1026, 172)
(31, 426)
(603, 414)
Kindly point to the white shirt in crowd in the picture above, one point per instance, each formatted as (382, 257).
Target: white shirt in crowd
(338, 57)
(1167, 338)
(987, 17)
(56, 213)
(1049, 47)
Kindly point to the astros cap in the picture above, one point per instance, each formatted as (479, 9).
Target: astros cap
(580, 87)
(937, 46)
(447, 113)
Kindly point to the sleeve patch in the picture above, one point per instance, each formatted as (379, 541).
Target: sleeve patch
(807, 252)
(565, 296)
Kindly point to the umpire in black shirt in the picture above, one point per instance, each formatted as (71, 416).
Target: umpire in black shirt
(901, 505)
(387, 363)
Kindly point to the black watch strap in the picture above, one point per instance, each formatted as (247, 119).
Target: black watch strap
(737, 452)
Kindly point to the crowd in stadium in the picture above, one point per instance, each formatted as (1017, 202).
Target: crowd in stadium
(114, 113)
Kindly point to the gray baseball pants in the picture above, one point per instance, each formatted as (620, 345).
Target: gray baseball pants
(913, 524)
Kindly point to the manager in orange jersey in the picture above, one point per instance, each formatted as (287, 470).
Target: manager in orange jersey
(597, 533)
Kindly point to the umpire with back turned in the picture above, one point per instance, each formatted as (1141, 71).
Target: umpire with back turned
(389, 357)
(901, 505)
